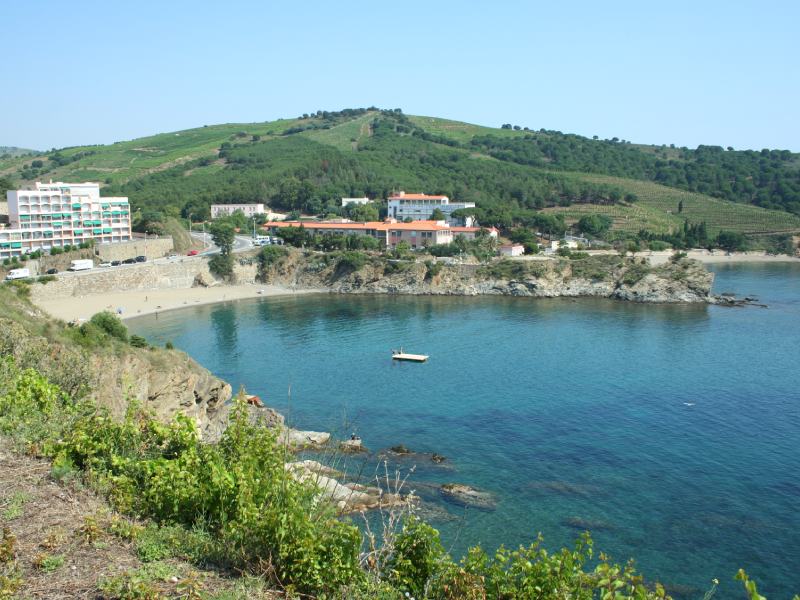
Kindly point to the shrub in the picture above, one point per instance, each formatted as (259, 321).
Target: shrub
(46, 278)
(55, 250)
(169, 345)
(221, 265)
(138, 341)
(432, 269)
(110, 324)
(351, 261)
(418, 557)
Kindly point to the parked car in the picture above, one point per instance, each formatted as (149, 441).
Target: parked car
(129, 261)
(172, 256)
(105, 264)
(51, 271)
(115, 263)
(140, 259)
(191, 253)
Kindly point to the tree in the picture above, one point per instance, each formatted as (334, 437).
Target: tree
(223, 235)
(595, 225)
(438, 215)
(731, 241)
(680, 207)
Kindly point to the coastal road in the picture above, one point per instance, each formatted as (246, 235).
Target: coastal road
(241, 243)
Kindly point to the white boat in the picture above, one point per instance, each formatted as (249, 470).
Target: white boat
(410, 357)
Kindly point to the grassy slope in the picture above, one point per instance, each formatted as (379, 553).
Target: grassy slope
(132, 159)
(656, 209)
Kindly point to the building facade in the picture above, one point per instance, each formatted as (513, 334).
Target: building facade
(54, 215)
(389, 233)
(226, 210)
(471, 233)
(419, 207)
(358, 201)
(512, 250)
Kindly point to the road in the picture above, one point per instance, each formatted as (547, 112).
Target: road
(241, 243)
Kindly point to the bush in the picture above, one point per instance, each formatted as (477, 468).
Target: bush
(138, 341)
(110, 324)
(169, 345)
(351, 261)
(432, 269)
(55, 250)
(46, 278)
(221, 265)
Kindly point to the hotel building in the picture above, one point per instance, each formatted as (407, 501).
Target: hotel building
(419, 207)
(418, 234)
(53, 215)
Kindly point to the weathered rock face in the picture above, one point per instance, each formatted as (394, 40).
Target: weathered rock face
(165, 384)
(685, 281)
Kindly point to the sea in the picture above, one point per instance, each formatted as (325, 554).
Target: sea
(671, 432)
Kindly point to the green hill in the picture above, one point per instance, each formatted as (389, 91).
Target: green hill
(515, 176)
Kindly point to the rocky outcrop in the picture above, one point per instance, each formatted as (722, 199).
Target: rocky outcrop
(347, 497)
(464, 495)
(606, 276)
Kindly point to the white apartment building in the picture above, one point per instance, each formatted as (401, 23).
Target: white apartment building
(226, 210)
(418, 207)
(359, 201)
(59, 214)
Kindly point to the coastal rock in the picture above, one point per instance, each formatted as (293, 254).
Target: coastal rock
(352, 446)
(587, 524)
(297, 439)
(345, 496)
(604, 276)
(464, 495)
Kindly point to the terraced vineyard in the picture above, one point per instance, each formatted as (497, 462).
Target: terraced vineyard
(458, 131)
(658, 208)
(342, 136)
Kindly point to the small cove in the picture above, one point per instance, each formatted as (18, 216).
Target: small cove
(671, 431)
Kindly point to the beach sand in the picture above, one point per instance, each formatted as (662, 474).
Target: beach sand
(719, 257)
(146, 302)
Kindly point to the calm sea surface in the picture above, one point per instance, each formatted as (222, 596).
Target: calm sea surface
(673, 432)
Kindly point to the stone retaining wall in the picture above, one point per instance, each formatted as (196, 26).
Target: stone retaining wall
(152, 248)
(177, 274)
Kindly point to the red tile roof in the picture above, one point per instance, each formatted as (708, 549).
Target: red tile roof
(416, 197)
(377, 225)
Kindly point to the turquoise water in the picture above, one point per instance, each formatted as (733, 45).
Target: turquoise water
(672, 431)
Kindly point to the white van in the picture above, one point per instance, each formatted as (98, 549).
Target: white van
(18, 274)
(82, 264)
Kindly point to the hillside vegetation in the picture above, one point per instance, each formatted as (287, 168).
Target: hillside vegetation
(516, 176)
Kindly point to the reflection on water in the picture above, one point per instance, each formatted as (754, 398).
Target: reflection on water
(673, 430)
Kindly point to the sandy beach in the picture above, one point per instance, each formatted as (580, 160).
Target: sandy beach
(720, 257)
(146, 302)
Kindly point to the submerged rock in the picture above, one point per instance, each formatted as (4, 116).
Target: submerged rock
(587, 524)
(465, 495)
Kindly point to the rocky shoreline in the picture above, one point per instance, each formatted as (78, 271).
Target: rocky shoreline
(611, 276)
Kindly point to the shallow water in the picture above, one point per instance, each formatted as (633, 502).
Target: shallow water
(672, 431)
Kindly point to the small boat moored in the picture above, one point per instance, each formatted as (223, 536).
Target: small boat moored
(409, 357)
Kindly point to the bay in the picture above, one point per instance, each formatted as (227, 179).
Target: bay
(673, 432)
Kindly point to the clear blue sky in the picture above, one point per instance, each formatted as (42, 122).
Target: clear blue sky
(81, 72)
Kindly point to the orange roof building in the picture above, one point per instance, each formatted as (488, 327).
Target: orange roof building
(417, 233)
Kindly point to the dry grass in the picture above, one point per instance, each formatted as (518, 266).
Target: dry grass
(64, 547)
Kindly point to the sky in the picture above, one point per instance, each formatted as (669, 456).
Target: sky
(679, 72)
